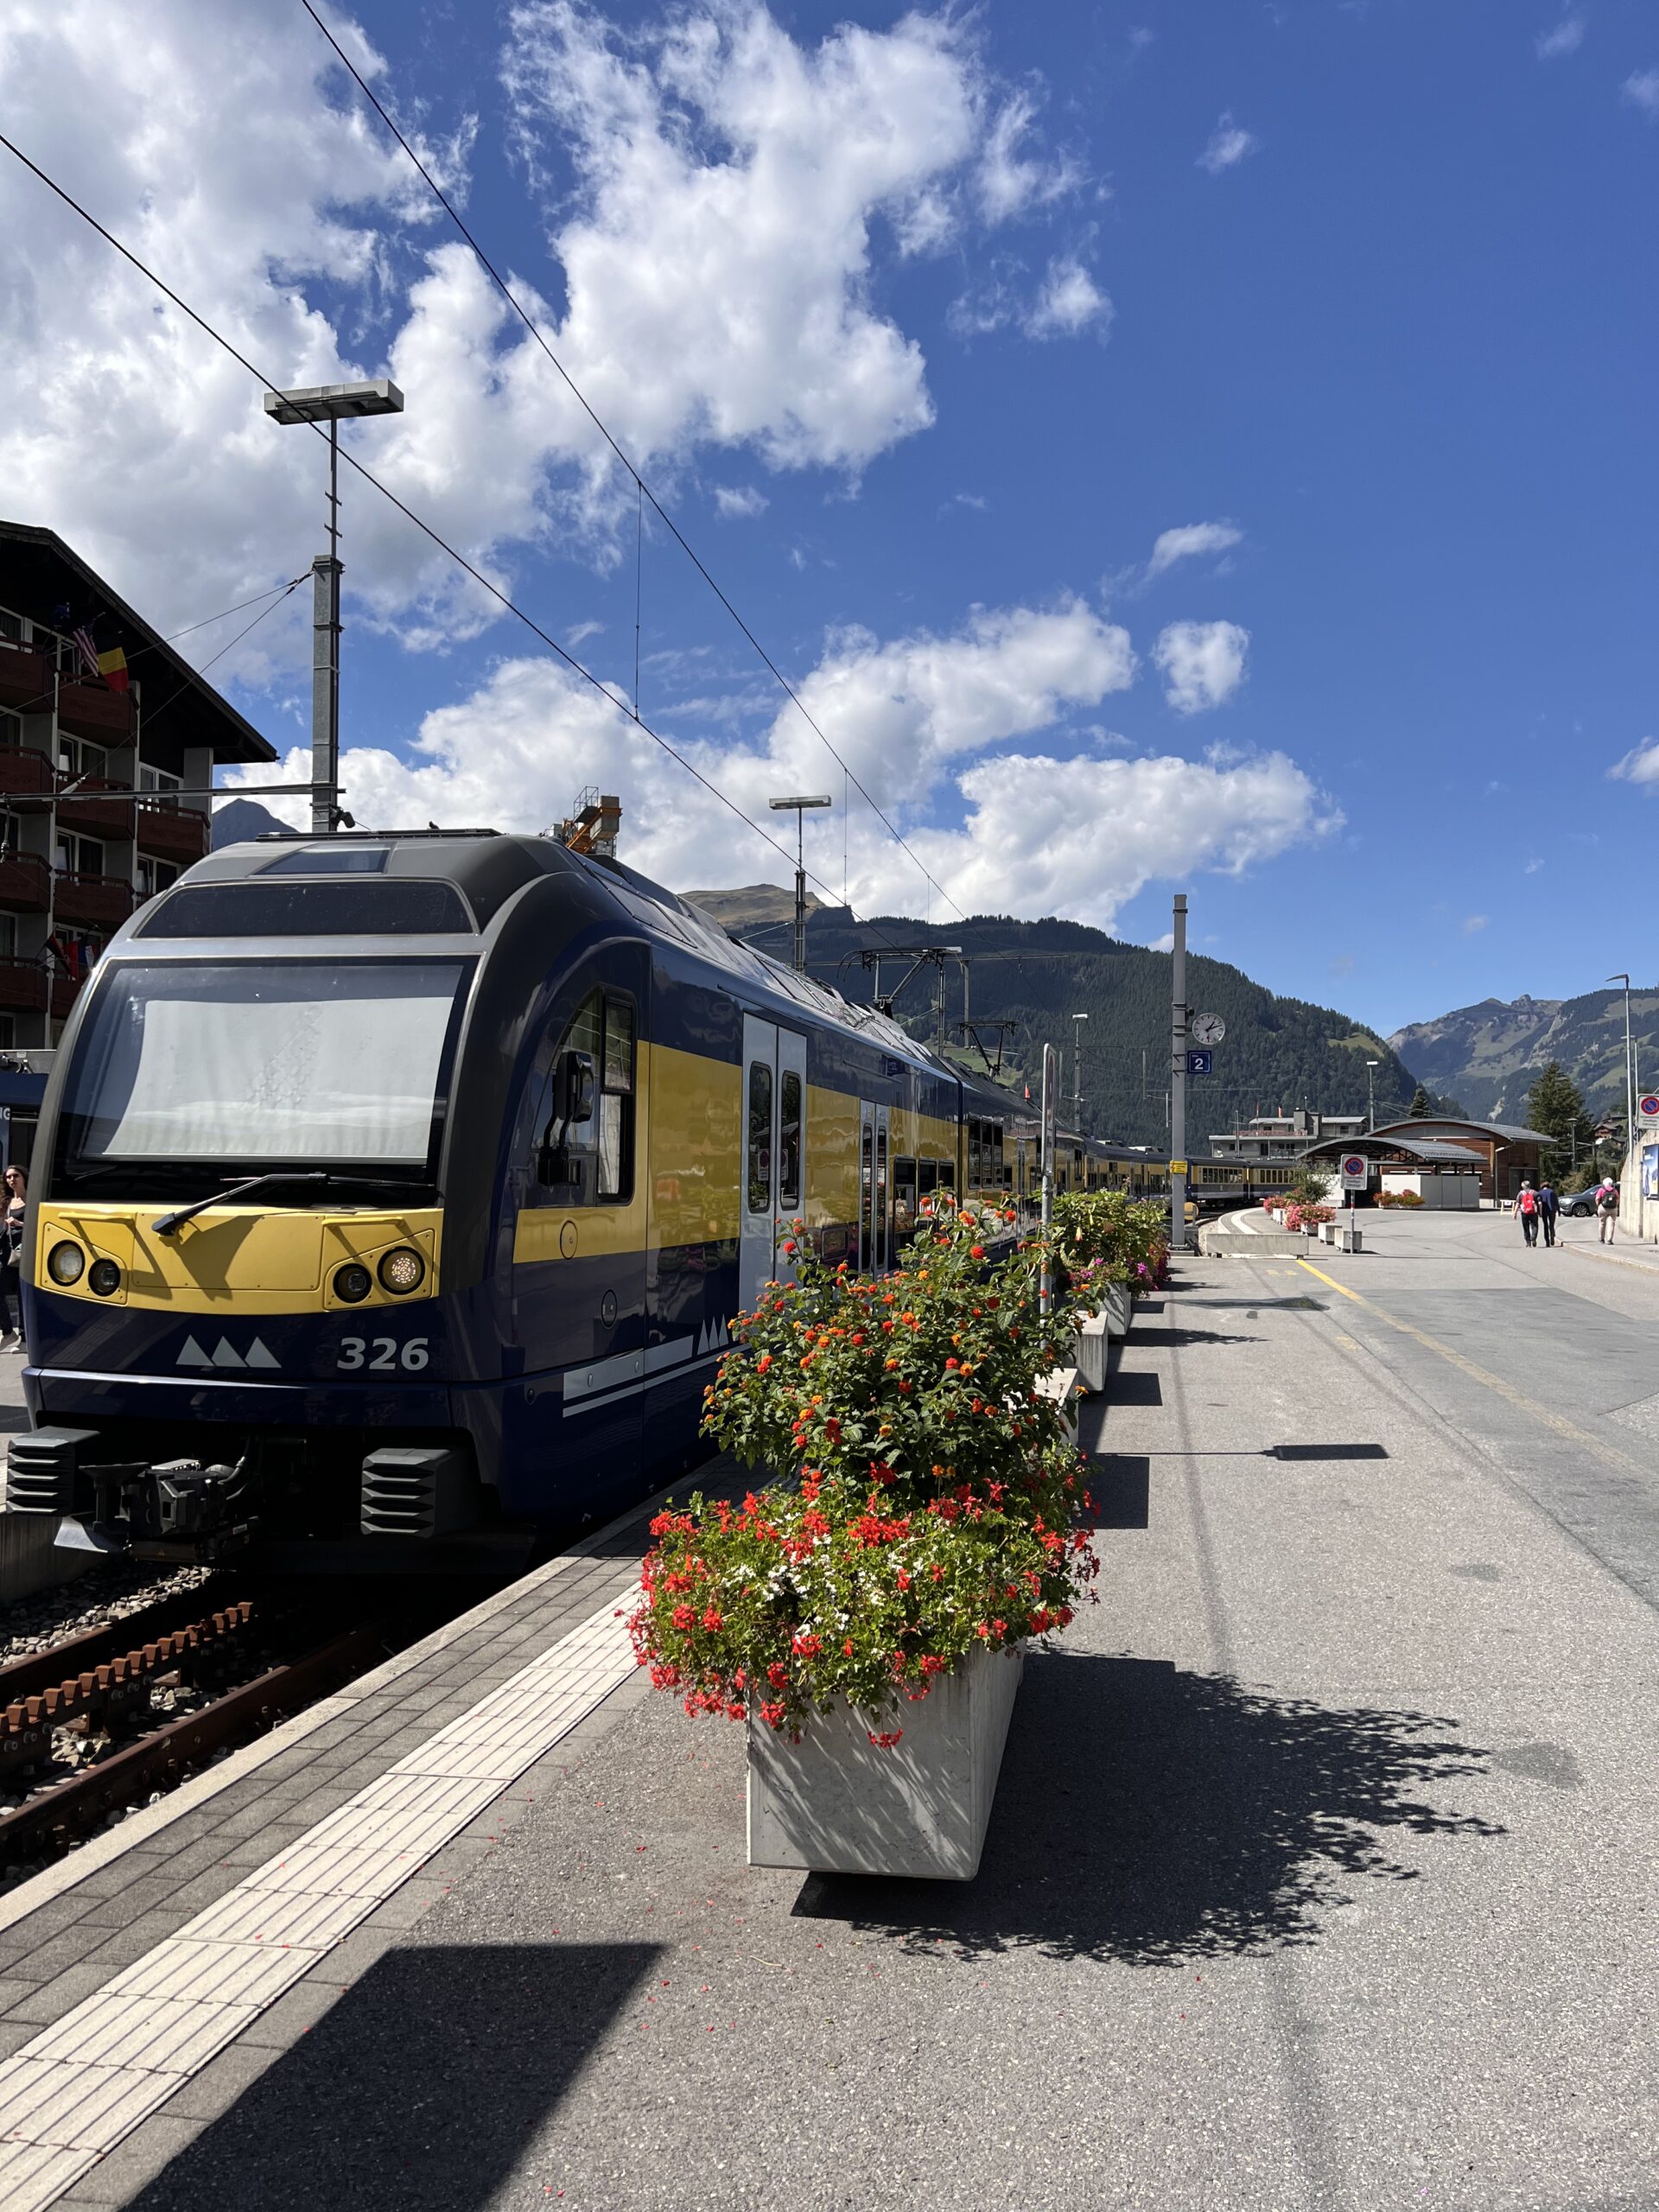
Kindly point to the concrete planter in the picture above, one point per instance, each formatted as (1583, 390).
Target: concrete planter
(836, 1804)
(1117, 1304)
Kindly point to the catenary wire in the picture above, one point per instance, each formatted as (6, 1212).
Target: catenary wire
(407, 512)
(641, 486)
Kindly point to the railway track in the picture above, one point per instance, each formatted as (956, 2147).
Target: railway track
(95, 1722)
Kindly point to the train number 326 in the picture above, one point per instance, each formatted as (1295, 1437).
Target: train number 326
(384, 1355)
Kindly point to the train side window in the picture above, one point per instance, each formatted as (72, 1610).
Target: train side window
(585, 1123)
(904, 1195)
(947, 1175)
(760, 1177)
(789, 1142)
(927, 1178)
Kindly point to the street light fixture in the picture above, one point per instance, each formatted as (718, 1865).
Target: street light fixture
(1077, 1070)
(333, 404)
(1630, 1068)
(1371, 1067)
(798, 807)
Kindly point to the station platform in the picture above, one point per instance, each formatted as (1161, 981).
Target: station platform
(1318, 1875)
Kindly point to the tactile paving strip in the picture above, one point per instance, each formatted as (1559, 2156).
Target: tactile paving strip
(72, 2093)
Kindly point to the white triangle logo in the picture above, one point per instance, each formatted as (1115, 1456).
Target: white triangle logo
(703, 1339)
(193, 1354)
(227, 1355)
(259, 1357)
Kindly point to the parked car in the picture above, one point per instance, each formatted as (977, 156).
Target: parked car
(1581, 1205)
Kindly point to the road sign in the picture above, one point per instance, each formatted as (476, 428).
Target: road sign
(1648, 1108)
(1207, 1028)
(1177, 1166)
(1200, 1063)
(1356, 1170)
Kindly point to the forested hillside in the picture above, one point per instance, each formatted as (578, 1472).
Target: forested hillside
(1279, 1053)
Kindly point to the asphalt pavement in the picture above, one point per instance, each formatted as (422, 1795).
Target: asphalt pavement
(1320, 1878)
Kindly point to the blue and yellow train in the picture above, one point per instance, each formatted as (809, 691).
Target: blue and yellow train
(394, 1196)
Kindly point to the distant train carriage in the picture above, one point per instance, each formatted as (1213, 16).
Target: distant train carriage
(395, 1195)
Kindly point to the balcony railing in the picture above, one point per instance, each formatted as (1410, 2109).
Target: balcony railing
(25, 771)
(86, 804)
(28, 986)
(88, 709)
(172, 832)
(25, 882)
(25, 679)
(99, 902)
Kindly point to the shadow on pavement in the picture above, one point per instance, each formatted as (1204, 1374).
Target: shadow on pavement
(1147, 1815)
(1172, 1339)
(420, 2089)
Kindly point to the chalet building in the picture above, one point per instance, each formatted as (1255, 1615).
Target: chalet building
(1282, 1136)
(108, 744)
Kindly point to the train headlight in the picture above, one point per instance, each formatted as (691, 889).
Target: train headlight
(66, 1263)
(353, 1284)
(104, 1277)
(402, 1270)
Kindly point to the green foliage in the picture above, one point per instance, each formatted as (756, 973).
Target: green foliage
(936, 1495)
(1555, 1109)
(1422, 1104)
(1108, 1236)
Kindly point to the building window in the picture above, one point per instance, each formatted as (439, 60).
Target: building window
(79, 855)
(11, 730)
(158, 782)
(79, 756)
(155, 875)
(7, 937)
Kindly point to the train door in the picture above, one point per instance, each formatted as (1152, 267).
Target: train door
(774, 1153)
(875, 1208)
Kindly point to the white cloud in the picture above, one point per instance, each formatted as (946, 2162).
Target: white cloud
(1010, 182)
(1473, 924)
(1228, 146)
(1069, 302)
(1566, 38)
(934, 726)
(1189, 540)
(1532, 867)
(1642, 91)
(1640, 765)
(1203, 662)
(708, 281)
(740, 503)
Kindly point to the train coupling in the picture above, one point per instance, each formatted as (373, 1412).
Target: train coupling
(179, 1510)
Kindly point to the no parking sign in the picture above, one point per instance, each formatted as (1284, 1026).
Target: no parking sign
(1356, 1170)
(1648, 1107)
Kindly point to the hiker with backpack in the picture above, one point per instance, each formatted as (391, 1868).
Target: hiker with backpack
(1607, 1209)
(1526, 1205)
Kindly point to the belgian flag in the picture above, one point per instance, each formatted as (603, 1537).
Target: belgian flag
(112, 667)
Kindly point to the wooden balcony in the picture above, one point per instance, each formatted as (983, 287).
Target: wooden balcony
(93, 710)
(23, 772)
(25, 985)
(25, 679)
(93, 902)
(91, 811)
(25, 883)
(170, 832)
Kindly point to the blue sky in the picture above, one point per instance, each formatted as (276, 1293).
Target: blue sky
(929, 330)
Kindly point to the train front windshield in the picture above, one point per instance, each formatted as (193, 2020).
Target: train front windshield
(185, 1075)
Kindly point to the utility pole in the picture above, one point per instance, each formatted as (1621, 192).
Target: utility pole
(1371, 1067)
(798, 808)
(316, 404)
(1077, 1071)
(1177, 1080)
(1050, 1090)
(1629, 1072)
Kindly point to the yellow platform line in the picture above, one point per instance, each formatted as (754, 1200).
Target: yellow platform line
(1568, 1431)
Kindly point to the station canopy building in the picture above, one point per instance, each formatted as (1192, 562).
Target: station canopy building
(1448, 1163)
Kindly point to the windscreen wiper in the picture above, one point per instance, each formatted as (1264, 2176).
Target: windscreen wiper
(166, 1224)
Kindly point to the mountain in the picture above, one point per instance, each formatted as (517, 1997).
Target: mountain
(1278, 1052)
(761, 907)
(242, 819)
(1489, 1055)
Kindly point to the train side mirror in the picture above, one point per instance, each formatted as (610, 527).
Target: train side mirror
(571, 1095)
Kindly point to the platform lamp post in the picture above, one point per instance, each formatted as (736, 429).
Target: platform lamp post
(798, 807)
(1371, 1067)
(333, 404)
(1629, 1072)
(1077, 1071)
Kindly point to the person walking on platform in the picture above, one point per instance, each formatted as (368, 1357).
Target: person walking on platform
(1526, 1205)
(11, 1249)
(1607, 1209)
(1549, 1207)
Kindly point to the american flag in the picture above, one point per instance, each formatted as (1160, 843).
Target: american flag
(87, 649)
